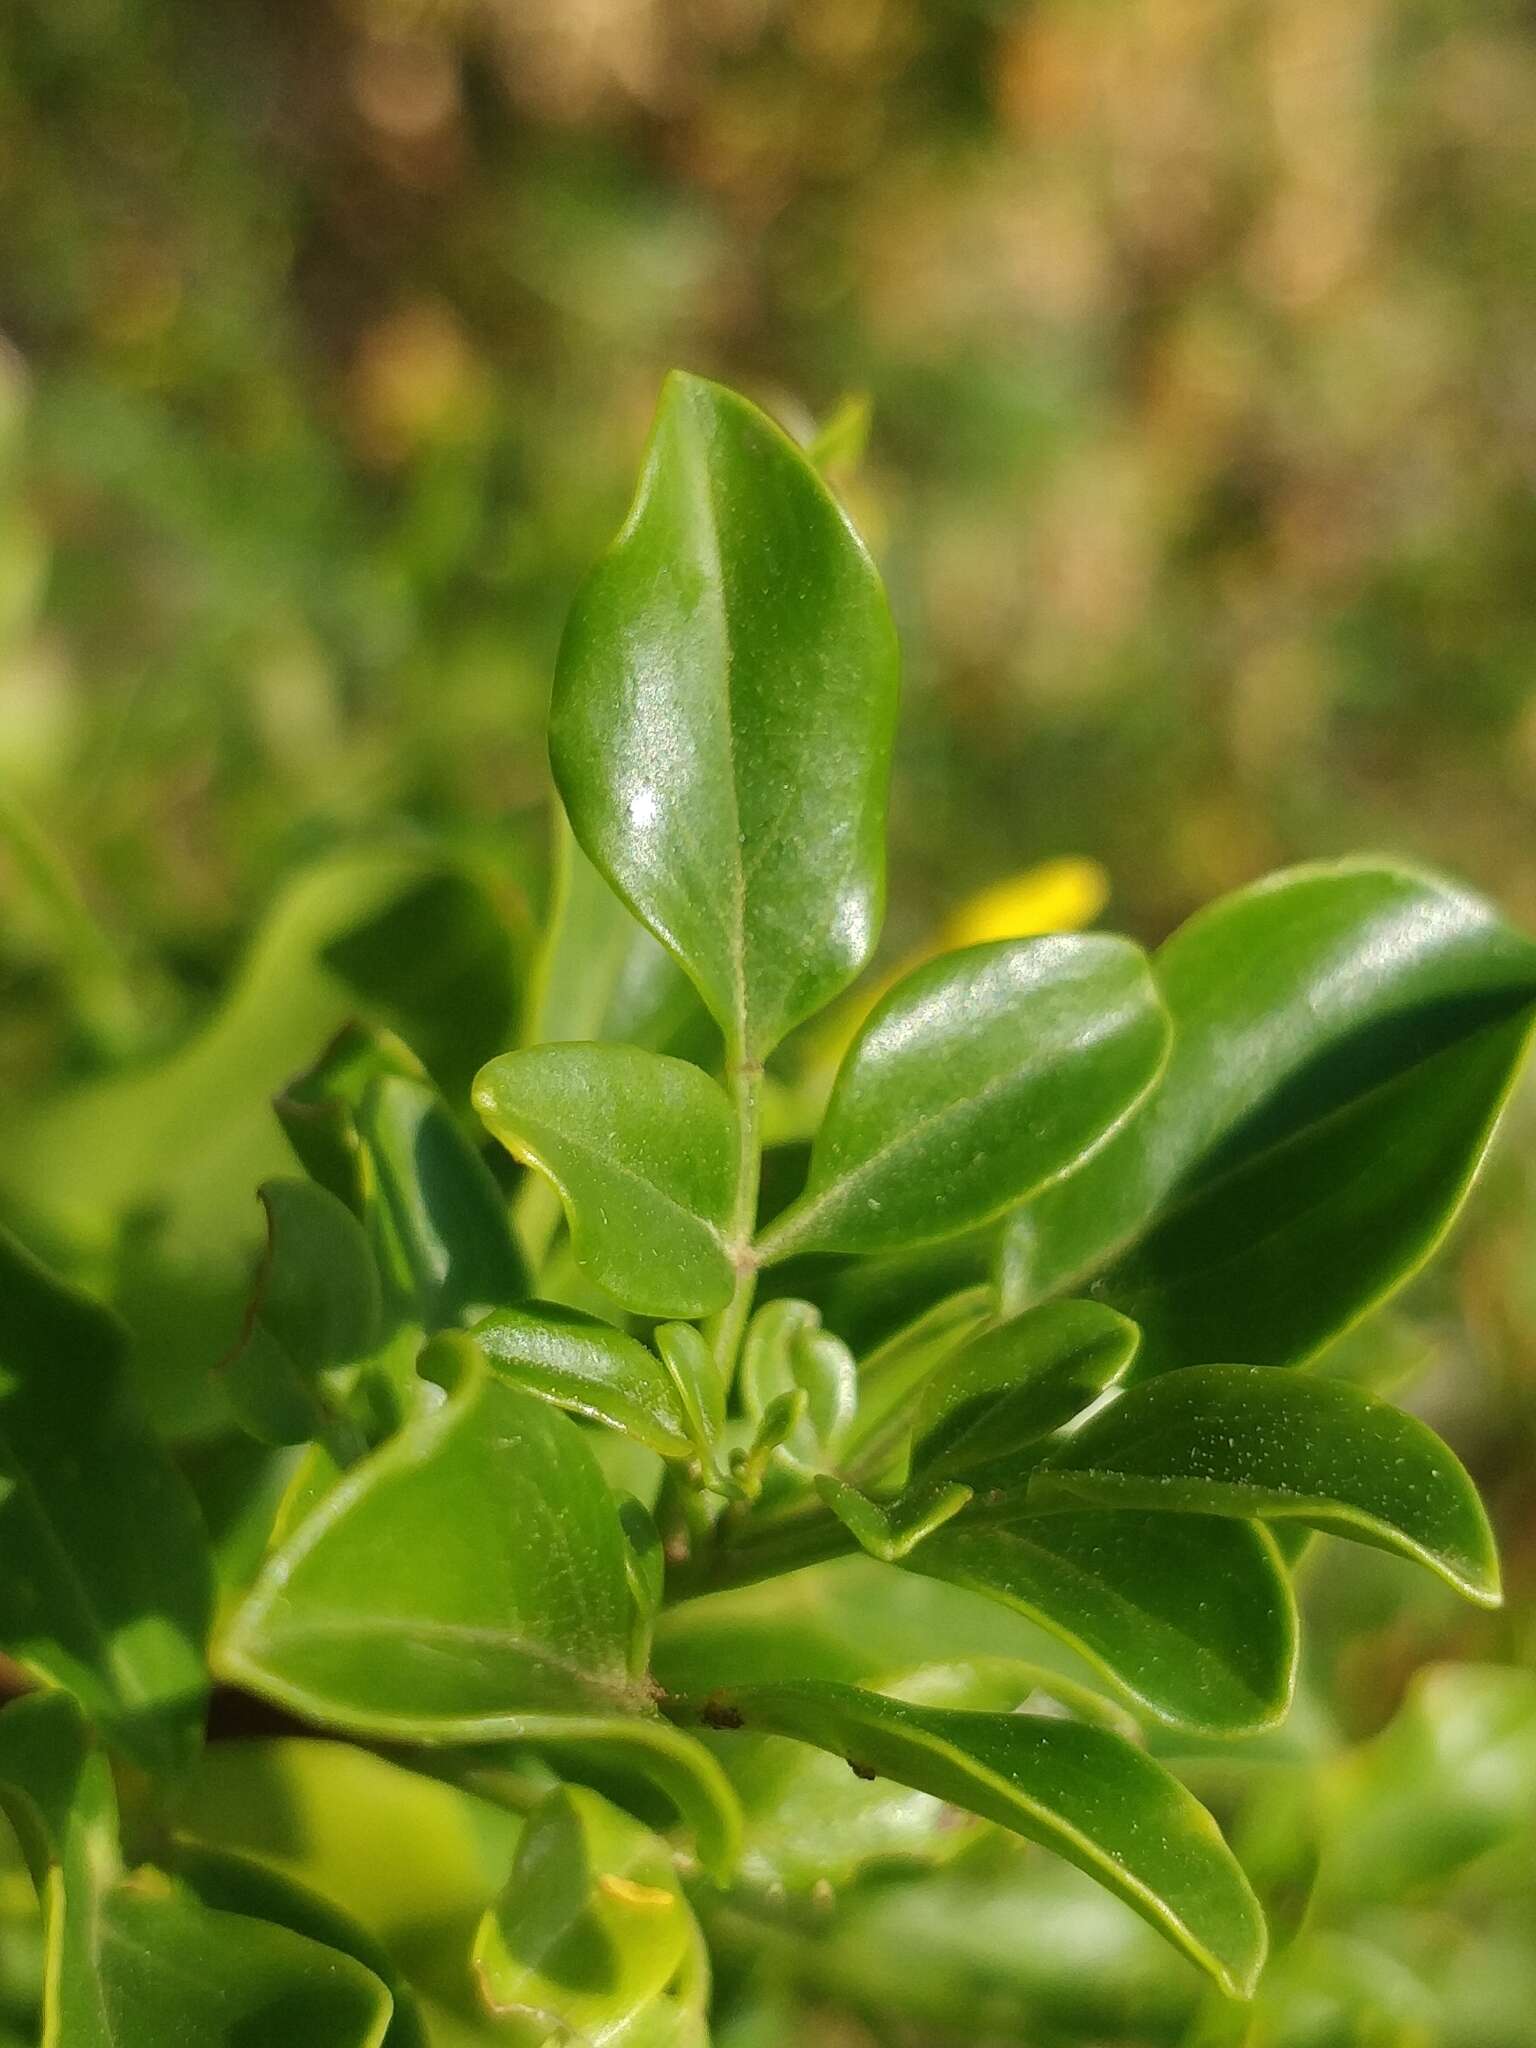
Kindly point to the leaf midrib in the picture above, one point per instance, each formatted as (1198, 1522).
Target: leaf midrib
(339, 1626)
(708, 533)
(604, 1162)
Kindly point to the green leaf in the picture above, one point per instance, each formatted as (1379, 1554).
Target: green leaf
(593, 1929)
(318, 1109)
(237, 1884)
(671, 1761)
(167, 1969)
(134, 1961)
(851, 1619)
(1191, 1617)
(1081, 1791)
(331, 1817)
(811, 1822)
(891, 1530)
(1240, 1440)
(316, 1305)
(786, 1350)
(442, 1216)
(700, 1385)
(369, 1126)
(108, 1582)
(576, 1362)
(1345, 1037)
(643, 1151)
(892, 1374)
(843, 436)
(469, 1573)
(645, 1570)
(1017, 1383)
(976, 1081)
(722, 717)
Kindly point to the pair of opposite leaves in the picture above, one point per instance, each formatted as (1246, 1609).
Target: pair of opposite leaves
(721, 733)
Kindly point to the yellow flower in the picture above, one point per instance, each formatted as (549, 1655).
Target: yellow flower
(1057, 896)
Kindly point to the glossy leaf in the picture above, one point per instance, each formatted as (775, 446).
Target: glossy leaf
(1081, 1791)
(1013, 1385)
(1238, 1440)
(722, 717)
(979, 1079)
(592, 1929)
(135, 1961)
(643, 1151)
(469, 1572)
(108, 1581)
(576, 1362)
(369, 1126)
(1345, 1037)
(891, 1530)
(811, 1822)
(316, 1305)
(1191, 1617)
(787, 1349)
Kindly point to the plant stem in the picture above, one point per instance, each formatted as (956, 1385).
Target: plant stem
(725, 1330)
(764, 1552)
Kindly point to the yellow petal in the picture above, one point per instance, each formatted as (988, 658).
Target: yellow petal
(1057, 896)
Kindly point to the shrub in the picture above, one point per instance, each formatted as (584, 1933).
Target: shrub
(1028, 1316)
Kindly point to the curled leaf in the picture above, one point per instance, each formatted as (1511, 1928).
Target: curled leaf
(1081, 1791)
(1240, 1440)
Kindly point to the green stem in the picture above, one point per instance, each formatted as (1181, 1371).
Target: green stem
(725, 1330)
(765, 1552)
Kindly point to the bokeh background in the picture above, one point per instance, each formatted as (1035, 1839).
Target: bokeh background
(1180, 357)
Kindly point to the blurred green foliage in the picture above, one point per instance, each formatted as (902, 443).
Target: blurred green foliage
(1197, 334)
(1196, 337)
